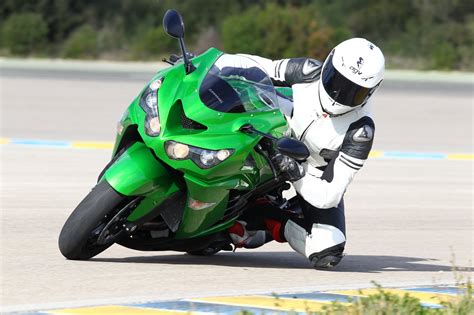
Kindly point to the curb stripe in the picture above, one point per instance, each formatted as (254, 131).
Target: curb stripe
(319, 296)
(274, 303)
(92, 145)
(298, 303)
(46, 143)
(203, 307)
(414, 155)
(460, 156)
(375, 154)
(441, 290)
(105, 145)
(428, 298)
(113, 310)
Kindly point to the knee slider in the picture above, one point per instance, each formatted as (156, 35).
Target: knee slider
(327, 258)
(325, 245)
(323, 236)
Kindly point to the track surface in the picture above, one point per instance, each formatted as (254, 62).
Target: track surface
(406, 218)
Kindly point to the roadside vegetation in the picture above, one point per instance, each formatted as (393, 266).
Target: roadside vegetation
(386, 303)
(416, 34)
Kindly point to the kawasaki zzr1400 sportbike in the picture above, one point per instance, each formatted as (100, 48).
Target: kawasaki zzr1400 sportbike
(193, 151)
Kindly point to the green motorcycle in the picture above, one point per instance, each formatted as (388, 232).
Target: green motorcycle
(193, 151)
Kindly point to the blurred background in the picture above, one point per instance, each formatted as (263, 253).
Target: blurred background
(414, 34)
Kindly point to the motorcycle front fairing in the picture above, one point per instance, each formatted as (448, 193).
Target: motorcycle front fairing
(146, 169)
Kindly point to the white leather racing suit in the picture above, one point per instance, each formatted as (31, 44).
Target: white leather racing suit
(338, 146)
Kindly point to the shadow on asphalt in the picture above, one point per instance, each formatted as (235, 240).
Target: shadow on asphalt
(288, 260)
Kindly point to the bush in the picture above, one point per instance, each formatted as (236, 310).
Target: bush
(152, 43)
(278, 32)
(81, 44)
(24, 33)
(444, 56)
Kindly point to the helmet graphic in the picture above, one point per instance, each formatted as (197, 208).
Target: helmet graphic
(350, 75)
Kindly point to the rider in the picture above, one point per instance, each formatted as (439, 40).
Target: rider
(331, 114)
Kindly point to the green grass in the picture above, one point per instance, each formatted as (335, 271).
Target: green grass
(385, 303)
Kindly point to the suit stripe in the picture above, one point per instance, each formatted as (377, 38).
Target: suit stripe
(351, 162)
(344, 162)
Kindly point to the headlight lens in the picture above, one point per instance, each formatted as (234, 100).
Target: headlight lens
(201, 157)
(176, 150)
(149, 103)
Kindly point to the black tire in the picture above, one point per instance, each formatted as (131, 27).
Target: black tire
(76, 240)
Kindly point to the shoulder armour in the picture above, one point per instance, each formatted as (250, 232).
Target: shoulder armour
(302, 70)
(359, 138)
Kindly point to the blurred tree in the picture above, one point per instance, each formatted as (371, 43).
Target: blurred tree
(24, 33)
(419, 33)
(153, 43)
(81, 44)
(277, 32)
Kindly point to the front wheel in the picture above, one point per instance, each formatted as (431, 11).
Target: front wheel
(95, 224)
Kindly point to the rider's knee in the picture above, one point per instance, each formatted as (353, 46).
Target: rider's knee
(324, 246)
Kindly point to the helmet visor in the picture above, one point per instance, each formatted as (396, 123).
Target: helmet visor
(341, 89)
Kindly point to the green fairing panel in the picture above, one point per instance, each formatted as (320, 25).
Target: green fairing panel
(137, 172)
(197, 220)
(152, 200)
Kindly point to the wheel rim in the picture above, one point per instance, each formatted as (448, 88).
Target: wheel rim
(109, 230)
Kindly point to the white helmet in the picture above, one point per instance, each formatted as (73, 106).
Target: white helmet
(350, 75)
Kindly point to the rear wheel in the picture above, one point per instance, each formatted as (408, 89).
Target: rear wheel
(95, 224)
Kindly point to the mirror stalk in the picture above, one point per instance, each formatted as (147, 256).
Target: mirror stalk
(188, 65)
(248, 128)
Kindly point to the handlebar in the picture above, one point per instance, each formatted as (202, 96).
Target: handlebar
(173, 59)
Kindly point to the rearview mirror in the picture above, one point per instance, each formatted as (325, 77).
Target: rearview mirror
(293, 148)
(173, 24)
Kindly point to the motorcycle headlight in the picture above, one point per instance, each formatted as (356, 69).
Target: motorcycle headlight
(203, 158)
(149, 103)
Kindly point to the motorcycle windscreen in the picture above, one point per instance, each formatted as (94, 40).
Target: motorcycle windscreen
(237, 84)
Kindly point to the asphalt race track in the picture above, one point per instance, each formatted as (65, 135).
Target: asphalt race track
(409, 211)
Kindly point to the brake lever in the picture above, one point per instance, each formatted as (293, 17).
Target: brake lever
(249, 129)
(167, 61)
